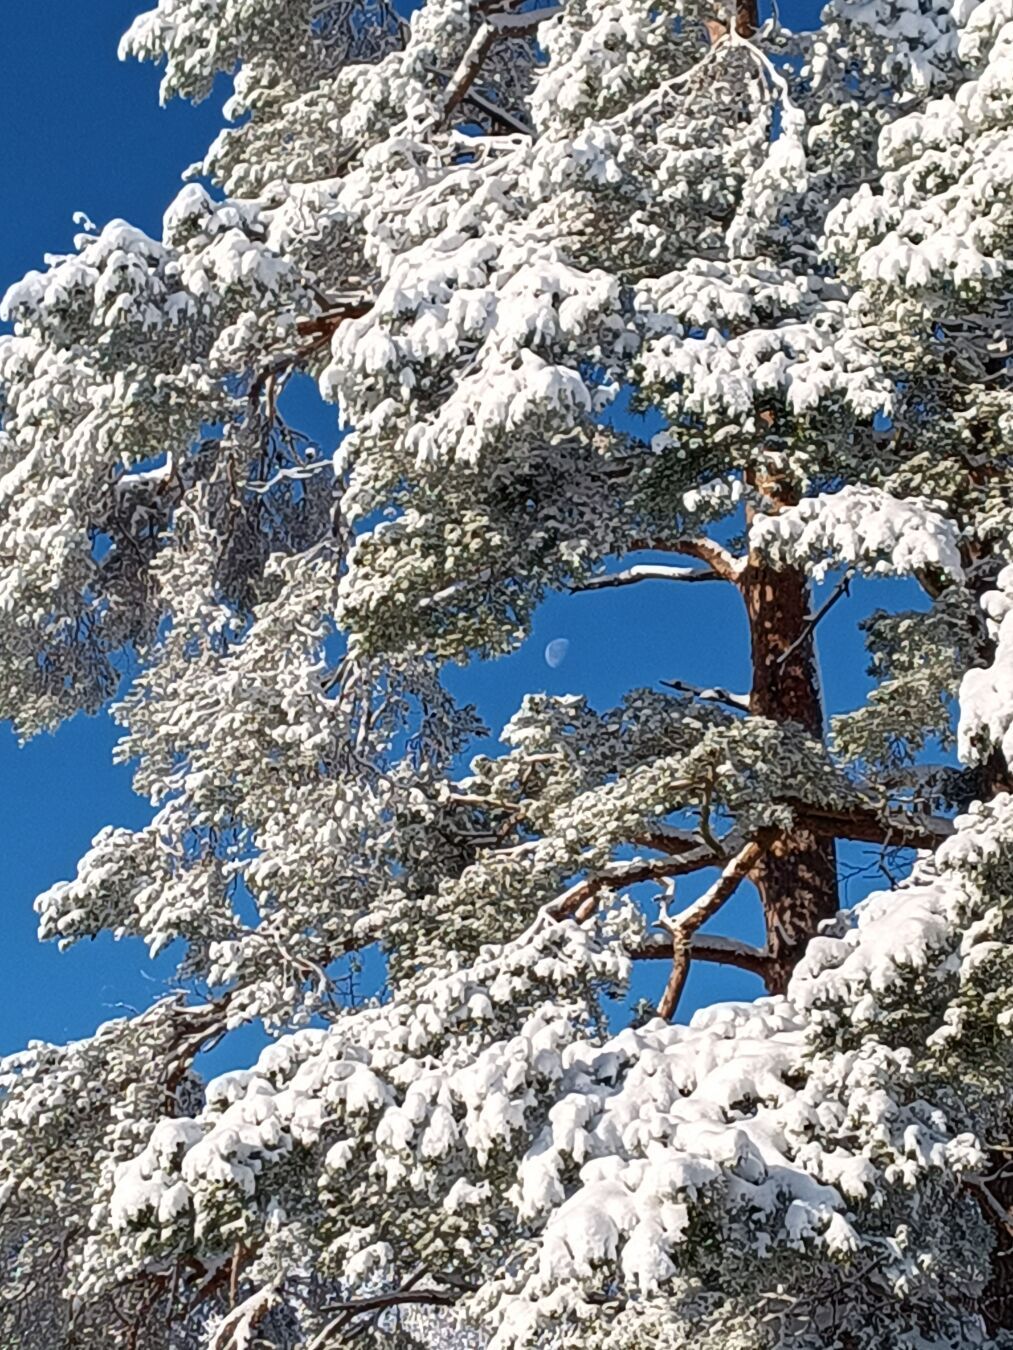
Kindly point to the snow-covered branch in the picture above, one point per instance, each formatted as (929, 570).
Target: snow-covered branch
(648, 572)
(719, 560)
(740, 702)
(722, 951)
(682, 927)
(578, 899)
(494, 249)
(865, 825)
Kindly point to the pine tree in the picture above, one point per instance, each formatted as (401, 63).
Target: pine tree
(606, 294)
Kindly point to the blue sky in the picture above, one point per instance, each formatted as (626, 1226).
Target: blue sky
(95, 140)
(88, 136)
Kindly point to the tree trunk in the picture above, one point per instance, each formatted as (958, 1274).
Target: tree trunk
(797, 880)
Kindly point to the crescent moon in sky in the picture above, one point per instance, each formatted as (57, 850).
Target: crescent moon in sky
(555, 652)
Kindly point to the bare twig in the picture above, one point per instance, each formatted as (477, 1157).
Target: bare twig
(843, 587)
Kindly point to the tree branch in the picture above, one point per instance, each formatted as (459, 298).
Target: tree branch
(468, 69)
(378, 1302)
(719, 951)
(740, 702)
(575, 900)
(250, 1312)
(669, 839)
(865, 825)
(523, 24)
(348, 1311)
(352, 307)
(843, 587)
(492, 110)
(684, 926)
(999, 1211)
(508, 120)
(718, 559)
(725, 951)
(319, 328)
(647, 572)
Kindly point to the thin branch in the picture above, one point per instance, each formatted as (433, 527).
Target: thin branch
(213, 1285)
(251, 1311)
(842, 588)
(705, 550)
(378, 1302)
(577, 897)
(497, 114)
(740, 702)
(468, 69)
(523, 24)
(647, 572)
(352, 306)
(348, 1311)
(320, 328)
(704, 826)
(1004, 1216)
(669, 839)
(683, 926)
(720, 951)
(867, 826)
(508, 120)
(237, 1257)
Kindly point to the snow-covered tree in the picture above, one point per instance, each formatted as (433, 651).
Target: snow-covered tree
(606, 294)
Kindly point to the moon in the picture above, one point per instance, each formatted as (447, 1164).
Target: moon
(555, 652)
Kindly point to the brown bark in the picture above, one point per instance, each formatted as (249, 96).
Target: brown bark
(684, 926)
(797, 879)
(747, 20)
(899, 830)
(996, 1301)
(716, 951)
